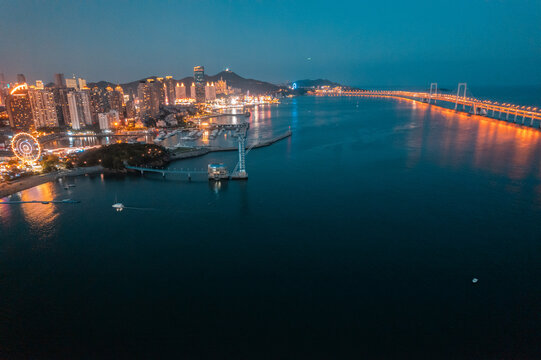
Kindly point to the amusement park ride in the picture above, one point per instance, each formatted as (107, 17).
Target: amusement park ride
(26, 147)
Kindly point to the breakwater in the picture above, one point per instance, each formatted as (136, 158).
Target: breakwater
(200, 151)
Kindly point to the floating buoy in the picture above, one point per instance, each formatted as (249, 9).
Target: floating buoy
(475, 280)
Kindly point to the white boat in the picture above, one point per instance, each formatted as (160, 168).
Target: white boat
(118, 206)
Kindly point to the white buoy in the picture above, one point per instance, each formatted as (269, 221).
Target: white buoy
(475, 280)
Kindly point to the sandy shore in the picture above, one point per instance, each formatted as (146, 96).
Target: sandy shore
(13, 187)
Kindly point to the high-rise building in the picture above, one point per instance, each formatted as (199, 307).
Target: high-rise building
(159, 88)
(121, 91)
(43, 108)
(210, 92)
(81, 83)
(62, 107)
(19, 108)
(170, 94)
(115, 102)
(180, 91)
(39, 85)
(3, 82)
(130, 110)
(192, 91)
(79, 105)
(98, 103)
(199, 80)
(71, 83)
(108, 120)
(148, 95)
(59, 80)
(21, 79)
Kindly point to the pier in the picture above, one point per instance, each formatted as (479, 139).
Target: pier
(240, 169)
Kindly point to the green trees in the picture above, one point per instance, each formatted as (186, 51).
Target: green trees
(49, 163)
(114, 156)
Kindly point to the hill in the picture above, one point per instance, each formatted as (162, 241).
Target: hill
(256, 87)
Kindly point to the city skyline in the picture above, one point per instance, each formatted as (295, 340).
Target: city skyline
(370, 44)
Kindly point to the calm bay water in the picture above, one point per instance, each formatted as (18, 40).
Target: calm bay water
(358, 237)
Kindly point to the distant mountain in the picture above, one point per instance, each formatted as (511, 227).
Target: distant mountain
(256, 87)
(252, 85)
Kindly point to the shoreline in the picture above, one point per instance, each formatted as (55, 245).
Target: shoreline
(7, 189)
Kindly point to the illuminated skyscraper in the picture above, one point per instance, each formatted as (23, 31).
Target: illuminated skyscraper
(43, 108)
(210, 92)
(115, 102)
(148, 95)
(159, 88)
(19, 108)
(81, 83)
(3, 83)
(62, 107)
(71, 83)
(199, 80)
(180, 91)
(79, 105)
(39, 85)
(192, 91)
(170, 94)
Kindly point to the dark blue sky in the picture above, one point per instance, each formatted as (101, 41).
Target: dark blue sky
(364, 43)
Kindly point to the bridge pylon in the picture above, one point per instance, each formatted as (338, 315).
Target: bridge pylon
(461, 86)
(433, 91)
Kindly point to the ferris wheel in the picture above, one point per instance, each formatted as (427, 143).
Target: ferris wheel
(26, 147)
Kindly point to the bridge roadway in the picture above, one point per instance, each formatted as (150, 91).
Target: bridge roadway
(501, 111)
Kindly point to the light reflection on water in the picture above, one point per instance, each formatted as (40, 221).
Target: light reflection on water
(362, 205)
(456, 140)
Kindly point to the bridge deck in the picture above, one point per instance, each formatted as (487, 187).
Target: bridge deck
(524, 112)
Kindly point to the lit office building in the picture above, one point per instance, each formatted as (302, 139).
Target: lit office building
(19, 108)
(39, 85)
(210, 92)
(199, 80)
(79, 107)
(43, 108)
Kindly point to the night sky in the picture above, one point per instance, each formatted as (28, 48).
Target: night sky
(360, 43)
